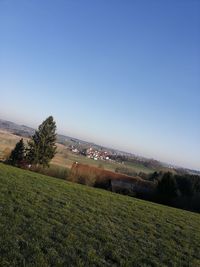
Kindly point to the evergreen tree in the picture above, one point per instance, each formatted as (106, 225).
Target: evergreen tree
(154, 176)
(42, 147)
(17, 155)
(167, 186)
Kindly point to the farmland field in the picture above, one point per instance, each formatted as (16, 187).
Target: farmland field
(50, 222)
(65, 158)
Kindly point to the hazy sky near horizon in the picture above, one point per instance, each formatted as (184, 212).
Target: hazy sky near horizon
(124, 74)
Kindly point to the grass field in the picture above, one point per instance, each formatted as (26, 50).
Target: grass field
(49, 222)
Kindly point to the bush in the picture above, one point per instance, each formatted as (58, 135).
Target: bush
(126, 171)
(53, 171)
(82, 178)
(103, 183)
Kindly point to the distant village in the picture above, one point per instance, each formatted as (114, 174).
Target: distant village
(99, 153)
(92, 153)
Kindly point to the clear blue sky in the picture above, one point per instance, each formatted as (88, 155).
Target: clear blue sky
(125, 74)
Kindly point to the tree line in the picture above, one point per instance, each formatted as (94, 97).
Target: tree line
(177, 190)
(40, 149)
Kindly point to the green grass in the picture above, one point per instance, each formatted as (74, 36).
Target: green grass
(108, 165)
(49, 222)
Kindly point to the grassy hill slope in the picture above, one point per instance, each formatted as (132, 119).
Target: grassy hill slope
(49, 222)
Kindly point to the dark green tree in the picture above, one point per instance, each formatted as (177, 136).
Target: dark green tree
(42, 146)
(167, 187)
(154, 177)
(17, 155)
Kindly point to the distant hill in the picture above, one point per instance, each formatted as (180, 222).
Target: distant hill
(17, 129)
(25, 131)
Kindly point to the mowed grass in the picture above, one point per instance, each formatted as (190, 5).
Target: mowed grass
(49, 222)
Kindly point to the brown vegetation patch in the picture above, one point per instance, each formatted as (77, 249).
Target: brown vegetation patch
(98, 177)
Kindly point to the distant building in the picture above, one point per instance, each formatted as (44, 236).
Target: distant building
(75, 150)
